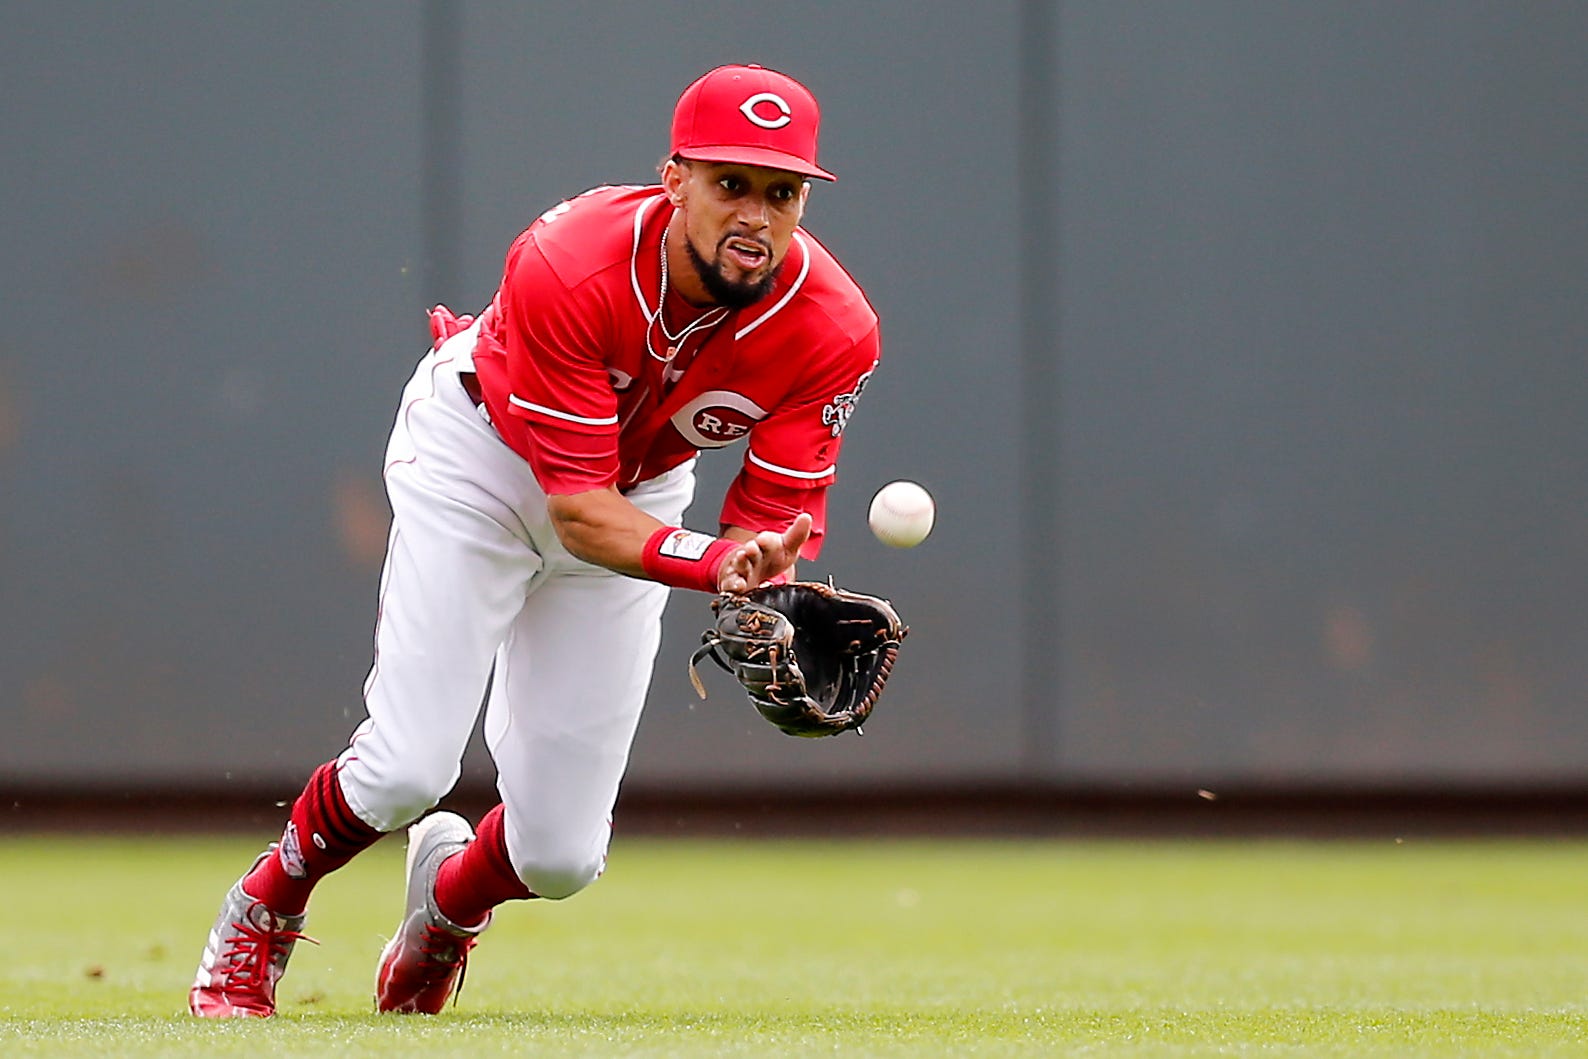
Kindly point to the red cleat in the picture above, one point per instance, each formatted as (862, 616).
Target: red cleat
(245, 956)
(424, 963)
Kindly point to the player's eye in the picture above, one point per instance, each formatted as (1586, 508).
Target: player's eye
(732, 184)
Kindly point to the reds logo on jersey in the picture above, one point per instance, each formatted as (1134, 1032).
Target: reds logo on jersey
(836, 415)
(723, 425)
(717, 418)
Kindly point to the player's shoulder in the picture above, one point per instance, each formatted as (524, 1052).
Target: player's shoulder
(823, 288)
(592, 232)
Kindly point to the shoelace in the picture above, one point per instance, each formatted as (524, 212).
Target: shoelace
(252, 949)
(444, 952)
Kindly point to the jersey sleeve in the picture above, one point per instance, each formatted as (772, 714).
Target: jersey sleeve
(560, 386)
(761, 505)
(792, 455)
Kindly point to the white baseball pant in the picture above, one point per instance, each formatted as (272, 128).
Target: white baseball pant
(474, 577)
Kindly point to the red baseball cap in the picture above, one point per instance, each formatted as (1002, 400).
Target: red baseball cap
(750, 115)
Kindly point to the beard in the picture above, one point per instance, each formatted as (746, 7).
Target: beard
(726, 292)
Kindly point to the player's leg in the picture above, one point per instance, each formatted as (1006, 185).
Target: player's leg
(458, 566)
(559, 726)
(405, 756)
(455, 579)
(570, 684)
(455, 575)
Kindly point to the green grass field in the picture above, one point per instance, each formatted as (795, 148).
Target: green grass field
(887, 948)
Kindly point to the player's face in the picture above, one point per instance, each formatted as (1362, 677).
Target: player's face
(738, 222)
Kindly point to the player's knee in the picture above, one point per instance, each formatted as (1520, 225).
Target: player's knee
(555, 878)
(400, 800)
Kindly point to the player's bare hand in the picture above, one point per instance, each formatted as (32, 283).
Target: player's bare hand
(763, 557)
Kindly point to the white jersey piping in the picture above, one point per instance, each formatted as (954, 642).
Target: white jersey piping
(634, 254)
(605, 421)
(799, 281)
(759, 462)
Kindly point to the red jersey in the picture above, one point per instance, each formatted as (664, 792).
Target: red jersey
(576, 371)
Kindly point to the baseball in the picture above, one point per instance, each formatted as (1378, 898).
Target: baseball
(902, 514)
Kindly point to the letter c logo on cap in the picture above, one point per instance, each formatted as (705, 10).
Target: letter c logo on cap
(747, 108)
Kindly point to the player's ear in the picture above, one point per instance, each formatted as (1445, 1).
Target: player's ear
(674, 176)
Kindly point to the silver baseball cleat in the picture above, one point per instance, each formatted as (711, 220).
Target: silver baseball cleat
(245, 957)
(422, 965)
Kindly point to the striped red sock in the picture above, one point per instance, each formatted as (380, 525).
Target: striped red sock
(322, 835)
(475, 881)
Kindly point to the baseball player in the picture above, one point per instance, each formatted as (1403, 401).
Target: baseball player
(538, 471)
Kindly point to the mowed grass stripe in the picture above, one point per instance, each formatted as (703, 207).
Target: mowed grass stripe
(953, 947)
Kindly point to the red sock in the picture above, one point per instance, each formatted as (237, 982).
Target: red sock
(322, 835)
(471, 883)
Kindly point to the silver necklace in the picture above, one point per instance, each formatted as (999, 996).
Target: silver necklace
(710, 318)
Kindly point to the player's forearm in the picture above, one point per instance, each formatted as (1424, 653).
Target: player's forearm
(602, 527)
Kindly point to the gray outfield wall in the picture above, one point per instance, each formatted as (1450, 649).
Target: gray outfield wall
(1241, 343)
